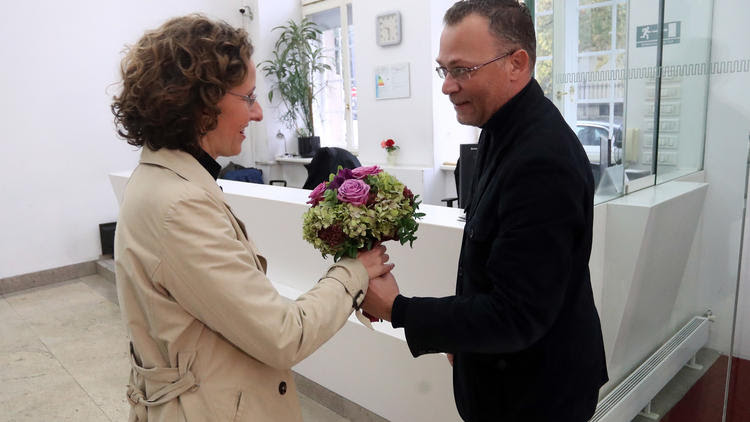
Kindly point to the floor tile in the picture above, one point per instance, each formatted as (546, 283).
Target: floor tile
(102, 286)
(14, 332)
(58, 399)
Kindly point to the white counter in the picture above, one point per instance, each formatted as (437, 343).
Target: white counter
(640, 279)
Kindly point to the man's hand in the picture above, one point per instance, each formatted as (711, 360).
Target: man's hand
(380, 296)
(375, 261)
(450, 358)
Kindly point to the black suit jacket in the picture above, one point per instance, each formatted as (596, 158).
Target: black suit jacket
(523, 327)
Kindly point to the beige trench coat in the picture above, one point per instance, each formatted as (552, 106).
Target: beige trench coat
(212, 340)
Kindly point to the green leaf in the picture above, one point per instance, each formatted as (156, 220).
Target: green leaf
(296, 60)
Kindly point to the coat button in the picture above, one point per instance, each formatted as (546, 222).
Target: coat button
(471, 233)
(282, 388)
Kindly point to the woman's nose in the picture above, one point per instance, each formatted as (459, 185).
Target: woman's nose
(256, 112)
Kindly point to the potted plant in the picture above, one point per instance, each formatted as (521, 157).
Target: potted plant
(297, 59)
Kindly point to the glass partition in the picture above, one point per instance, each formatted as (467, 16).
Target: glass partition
(684, 89)
(602, 62)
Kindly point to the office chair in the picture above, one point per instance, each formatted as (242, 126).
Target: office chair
(240, 173)
(326, 161)
(463, 174)
(449, 201)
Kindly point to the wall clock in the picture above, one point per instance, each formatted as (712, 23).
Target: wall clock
(388, 28)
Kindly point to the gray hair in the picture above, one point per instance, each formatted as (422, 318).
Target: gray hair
(510, 21)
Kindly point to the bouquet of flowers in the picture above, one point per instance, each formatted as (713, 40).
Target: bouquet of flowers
(356, 209)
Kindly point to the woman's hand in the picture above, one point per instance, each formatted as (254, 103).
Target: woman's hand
(375, 261)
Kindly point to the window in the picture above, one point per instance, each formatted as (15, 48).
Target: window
(335, 112)
(598, 62)
(601, 46)
(544, 42)
(584, 37)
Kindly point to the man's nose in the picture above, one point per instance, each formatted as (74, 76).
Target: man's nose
(450, 85)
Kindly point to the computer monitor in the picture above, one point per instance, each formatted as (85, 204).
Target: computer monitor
(467, 163)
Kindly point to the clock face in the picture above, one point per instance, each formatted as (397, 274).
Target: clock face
(388, 28)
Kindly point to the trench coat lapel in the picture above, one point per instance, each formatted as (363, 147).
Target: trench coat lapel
(187, 167)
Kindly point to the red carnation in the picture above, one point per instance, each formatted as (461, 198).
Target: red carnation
(333, 235)
(408, 195)
(371, 197)
(389, 143)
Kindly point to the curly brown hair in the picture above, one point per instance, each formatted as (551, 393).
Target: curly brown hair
(173, 79)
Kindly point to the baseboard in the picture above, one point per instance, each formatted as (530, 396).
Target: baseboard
(45, 277)
(105, 267)
(341, 405)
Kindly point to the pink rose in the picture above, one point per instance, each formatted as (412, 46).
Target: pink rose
(362, 172)
(317, 194)
(354, 191)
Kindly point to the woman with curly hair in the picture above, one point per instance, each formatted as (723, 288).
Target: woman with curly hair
(211, 339)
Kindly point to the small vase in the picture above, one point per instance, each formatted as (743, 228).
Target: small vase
(391, 157)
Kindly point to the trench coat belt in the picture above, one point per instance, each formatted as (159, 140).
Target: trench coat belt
(176, 381)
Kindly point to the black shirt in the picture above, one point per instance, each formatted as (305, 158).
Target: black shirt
(212, 167)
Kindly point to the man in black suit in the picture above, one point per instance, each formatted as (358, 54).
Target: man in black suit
(522, 331)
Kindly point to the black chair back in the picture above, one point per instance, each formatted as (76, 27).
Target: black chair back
(326, 161)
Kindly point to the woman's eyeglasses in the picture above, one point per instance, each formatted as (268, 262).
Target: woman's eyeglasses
(249, 99)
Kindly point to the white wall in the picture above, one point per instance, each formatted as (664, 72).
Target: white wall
(59, 144)
(711, 272)
(728, 128)
(406, 120)
(268, 15)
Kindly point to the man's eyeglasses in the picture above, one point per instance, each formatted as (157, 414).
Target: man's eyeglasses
(464, 73)
(249, 99)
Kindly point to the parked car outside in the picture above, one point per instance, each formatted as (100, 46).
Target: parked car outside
(594, 134)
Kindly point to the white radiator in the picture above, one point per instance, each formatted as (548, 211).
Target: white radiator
(636, 391)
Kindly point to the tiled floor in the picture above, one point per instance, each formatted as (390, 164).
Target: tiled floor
(63, 356)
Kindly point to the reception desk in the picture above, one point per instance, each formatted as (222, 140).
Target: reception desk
(641, 275)
(371, 368)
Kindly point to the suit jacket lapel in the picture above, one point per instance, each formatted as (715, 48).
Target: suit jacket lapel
(497, 135)
(490, 151)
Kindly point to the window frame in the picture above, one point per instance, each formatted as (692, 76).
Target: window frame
(310, 7)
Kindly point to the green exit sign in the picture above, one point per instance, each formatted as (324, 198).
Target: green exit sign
(648, 35)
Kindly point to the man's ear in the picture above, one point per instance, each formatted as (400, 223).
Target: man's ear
(519, 62)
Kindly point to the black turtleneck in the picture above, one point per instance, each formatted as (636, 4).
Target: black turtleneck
(212, 167)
